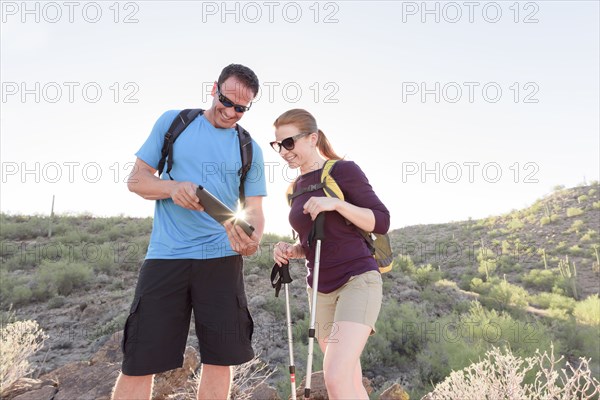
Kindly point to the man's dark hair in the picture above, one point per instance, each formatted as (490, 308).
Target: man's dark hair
(244, 74)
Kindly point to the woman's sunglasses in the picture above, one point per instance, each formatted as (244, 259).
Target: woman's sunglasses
(228, 103)
(287, 143)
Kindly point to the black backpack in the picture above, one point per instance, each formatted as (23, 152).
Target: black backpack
(181, 122)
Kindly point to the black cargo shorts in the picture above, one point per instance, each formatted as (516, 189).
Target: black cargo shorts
(167, 292)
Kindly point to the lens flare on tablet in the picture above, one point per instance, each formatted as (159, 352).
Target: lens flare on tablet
(240, 214)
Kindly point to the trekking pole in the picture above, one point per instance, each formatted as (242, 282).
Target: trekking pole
(286, 279)
(317, 234)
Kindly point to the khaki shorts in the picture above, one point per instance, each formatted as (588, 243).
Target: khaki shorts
(359, 300)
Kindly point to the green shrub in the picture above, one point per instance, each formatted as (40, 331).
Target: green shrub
(553, 301)
(575, 250)
(524, 336)
(590, 236)
(577, 340)
(454, 344)
(496, 233)
(21, 295)
(128, 254)
(566, 286)
(273, 238)
(56, 302)
(515, 224)
(102, 257)
(583, 198)
(542, 279)
(436, 299)
(588, 311)
(481, 287)
(440, 357)
(504, 295)
(62, 277)
(72, 237)
(99, 225)
(442, 297)
(596, 205)
(8, 284)
(531, 218)
(506, 263)
(427, 275)
(23, 261)
(276, 306)
(399, 337)
(264, 256)
(465, 281)
(115, 233)
(574, 211)
(23, 227)
(545, 220)
(116, 324)
(559, 314)
(405, 264)
(129, 230)
(576, 226)
(561, 248)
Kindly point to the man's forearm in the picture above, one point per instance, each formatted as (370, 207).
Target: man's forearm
(257, 220)
(149, 186)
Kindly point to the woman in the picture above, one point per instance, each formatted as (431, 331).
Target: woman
(349, 289)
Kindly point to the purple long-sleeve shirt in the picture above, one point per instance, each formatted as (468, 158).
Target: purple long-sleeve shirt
(344, 252)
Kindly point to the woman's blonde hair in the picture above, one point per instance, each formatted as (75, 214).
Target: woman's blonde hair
(306, 123)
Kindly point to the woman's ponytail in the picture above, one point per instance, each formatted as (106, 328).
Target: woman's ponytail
(325, 147)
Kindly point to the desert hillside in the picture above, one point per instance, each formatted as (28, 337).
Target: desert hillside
(533, 275)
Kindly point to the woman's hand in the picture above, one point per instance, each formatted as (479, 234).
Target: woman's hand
(315, 205)
(282, 252)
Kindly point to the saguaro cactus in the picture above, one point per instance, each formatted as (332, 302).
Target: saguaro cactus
(568, 271)
(544, 258)
(548, 212)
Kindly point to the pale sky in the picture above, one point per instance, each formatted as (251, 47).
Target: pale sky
(452, 109)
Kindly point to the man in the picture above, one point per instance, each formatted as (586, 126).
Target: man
(193, 263)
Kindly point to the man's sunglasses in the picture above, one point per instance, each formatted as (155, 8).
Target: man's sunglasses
(287, 143)
(228, 103)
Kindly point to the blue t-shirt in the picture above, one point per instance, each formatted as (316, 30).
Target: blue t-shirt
(210, 157)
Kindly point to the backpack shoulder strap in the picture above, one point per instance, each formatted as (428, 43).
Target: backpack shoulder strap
(246, 155)
(330, 186)
(290, 192)
(183, 119)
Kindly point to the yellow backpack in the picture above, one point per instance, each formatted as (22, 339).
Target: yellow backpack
(378, 244)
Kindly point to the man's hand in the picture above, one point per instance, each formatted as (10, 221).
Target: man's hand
(240, 242)
(184, 195)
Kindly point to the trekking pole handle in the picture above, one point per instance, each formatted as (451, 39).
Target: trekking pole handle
(284, 271)
(318, 228)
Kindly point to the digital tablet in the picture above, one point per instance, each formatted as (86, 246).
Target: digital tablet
(219, 211)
